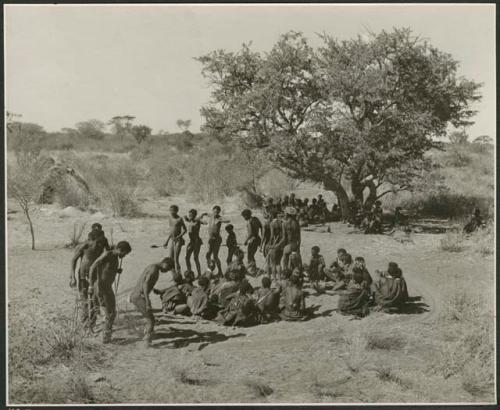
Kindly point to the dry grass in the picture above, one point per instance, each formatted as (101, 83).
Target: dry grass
(453, 242)
(383, 341)
(357, 357)
(76, 235)
(259, 388)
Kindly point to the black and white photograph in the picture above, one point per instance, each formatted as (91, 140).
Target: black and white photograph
(239, 204)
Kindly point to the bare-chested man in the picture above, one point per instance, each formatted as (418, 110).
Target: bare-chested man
(102, 274)
(290, 241)
(88, 252)
(175, 239)
(193, 247)
(140, 295)
(254, 228)
(275, 250)
(215, 238)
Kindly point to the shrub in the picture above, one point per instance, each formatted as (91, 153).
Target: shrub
(452, 242)
(76, 235)
(384, 341)
(457, 158)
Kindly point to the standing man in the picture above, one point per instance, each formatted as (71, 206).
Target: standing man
(275, 251)
(214, 237)
(254, 228)
(140, 295)
(88, 252)
(193, 247)
(175, 239)
(102, 274)
(290, 241)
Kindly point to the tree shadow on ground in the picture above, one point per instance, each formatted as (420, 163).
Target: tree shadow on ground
(185, 337)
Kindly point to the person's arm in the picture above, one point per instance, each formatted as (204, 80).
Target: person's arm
(74, 260)
(93, 271)
(283, 237)
(106, 244)
(249, 232)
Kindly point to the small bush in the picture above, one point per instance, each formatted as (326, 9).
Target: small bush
(384, 341)
(458, 158)
(357, 357)
(259, 388)
(452, 242)
(76, 235)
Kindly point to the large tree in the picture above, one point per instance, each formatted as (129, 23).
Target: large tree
(93, 129)
(356, 116)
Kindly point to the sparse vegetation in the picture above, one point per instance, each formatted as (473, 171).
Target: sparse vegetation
(76, 235)
(452, 242)
(384, 341)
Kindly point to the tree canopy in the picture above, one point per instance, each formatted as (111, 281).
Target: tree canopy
(356, 115)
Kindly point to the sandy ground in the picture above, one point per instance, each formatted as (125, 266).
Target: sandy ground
(300, 362)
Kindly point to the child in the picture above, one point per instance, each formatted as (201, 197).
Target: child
(267, 300)
(332, 272)
(231, 243)
(210, 272)
(316, 268)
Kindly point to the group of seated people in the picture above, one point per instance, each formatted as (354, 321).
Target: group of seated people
(232, 301)
(309, 212)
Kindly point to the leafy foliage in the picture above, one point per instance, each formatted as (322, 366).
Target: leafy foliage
(357, 112)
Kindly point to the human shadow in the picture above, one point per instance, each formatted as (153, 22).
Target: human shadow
(413, 306)
(185, 337)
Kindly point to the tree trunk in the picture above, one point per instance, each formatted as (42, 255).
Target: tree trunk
(357, 189)
(32, 231)
(343, 198)
(372, 196)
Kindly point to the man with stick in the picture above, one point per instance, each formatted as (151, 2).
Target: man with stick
(88, 252)
(102, 274)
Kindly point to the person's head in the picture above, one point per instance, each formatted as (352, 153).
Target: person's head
(320, 197)
(378, 204)
(189, 276)
(239, 254)
(216, 210)
(392, 268)
(229, 228)
(245, 288)
(123, 248)
(357, 274)
(166, 264)
(266, 282)
(340, 252)
(306, 201)
(346, 259)
(211, 264)
(397, 273)
(203, 282)
(295, 280)
(174, 209)
(314, 201)
(359, 261)
(246, 214)
(96, 226)
(315, 250)
(192, 213)
(94, 235)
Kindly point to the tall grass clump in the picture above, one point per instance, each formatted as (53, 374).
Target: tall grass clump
(468, 351)
(452, 242)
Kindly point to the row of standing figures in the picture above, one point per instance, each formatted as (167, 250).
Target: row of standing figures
(278, 238)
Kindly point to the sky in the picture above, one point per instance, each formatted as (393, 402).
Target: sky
(65, 64)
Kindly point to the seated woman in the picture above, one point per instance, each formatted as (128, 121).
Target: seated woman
(267, 301)
(354, 300)
(294, 301)
(344, 274)
(173, 298)
(199, 303)
(390, 289)
(241, 309)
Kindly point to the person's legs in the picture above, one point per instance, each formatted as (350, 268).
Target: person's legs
(287, 250)
(110, 311)
(196, 253)
(140, 304)
(215, 253)
(83, 300)
(230, 254)
(177, 253)
(189, 252)
(210, 250)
